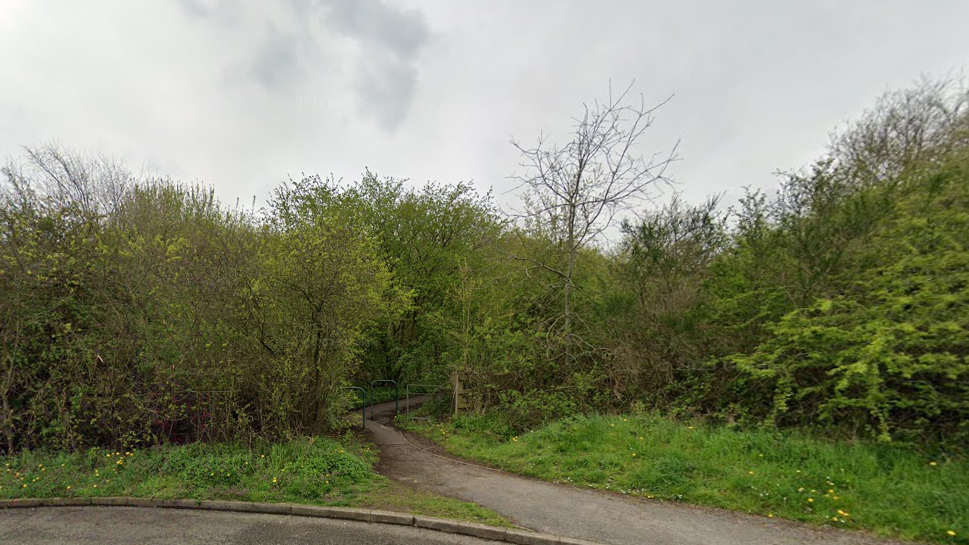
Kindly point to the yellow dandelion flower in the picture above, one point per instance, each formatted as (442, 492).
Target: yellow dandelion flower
(68, 487)
(810, 500)
(750, 472)
(274, 479)
(770, 515)
(933, 464)
(834, 519)
(950, 533)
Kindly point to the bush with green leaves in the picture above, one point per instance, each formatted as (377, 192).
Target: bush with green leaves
(889, 356)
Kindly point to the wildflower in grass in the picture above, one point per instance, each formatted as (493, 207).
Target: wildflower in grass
(810, 500)
(274, 480)
(834, 519)
(951, 533)
(933, 464)
(750, 472)
(770, 515)
(689, 427)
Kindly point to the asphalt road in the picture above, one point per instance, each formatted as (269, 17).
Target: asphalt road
(145, 526)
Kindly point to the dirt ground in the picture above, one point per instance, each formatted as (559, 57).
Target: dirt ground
(579, 513)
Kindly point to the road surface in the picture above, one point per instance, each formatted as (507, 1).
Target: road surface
(146, 526)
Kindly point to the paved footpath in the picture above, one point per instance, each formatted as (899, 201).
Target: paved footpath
(148, 526)
(580, 513)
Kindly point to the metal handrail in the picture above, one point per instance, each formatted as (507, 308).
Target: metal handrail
(407, 388)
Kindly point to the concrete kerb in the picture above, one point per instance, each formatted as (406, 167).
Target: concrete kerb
(480, 531)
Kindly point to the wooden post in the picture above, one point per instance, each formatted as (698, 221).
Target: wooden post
(461, 400)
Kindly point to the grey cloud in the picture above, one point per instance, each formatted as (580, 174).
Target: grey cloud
(390, 40)
(277, 64)
(224, 11)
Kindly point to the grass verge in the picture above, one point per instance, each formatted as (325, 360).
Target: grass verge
(885, 489)
(317, 471)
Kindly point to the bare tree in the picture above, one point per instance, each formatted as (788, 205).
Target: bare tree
(574, 192)
(907, 127)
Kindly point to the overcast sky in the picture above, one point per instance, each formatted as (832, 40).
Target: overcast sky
(240, 94)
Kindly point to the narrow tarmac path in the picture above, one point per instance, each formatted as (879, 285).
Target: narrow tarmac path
(580, 513)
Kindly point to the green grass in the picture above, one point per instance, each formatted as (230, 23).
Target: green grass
(318, 471)
(888, 490)
(388, 495)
